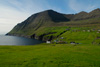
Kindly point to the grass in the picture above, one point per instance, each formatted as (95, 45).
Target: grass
(30, 30)
(50, 55)
(50, 30)
(74, 34)
(80, 37)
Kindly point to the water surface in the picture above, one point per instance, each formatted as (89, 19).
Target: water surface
(14, 40)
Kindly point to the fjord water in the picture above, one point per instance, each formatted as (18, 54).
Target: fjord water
(14, 40)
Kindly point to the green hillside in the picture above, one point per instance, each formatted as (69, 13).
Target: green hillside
(51, 25)
(50, 55)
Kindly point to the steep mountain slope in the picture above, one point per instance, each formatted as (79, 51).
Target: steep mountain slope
(34, 22)
(38, 25)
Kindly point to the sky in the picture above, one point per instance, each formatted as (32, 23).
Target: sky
(13, 12)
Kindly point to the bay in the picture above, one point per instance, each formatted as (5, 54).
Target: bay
(14, 40)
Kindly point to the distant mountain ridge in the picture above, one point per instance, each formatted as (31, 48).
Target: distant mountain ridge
(84, 15)
(50, 18)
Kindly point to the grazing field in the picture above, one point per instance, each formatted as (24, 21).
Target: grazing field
(84, 35)
(50, 55)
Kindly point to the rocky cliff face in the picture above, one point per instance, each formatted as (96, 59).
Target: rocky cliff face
(48, 18)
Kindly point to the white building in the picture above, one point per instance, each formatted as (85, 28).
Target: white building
(88, 30)
(99, 30)
(48, 42)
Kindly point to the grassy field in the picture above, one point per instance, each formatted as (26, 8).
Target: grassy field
(47, 27)
(84, 35)
(50, 55)
(81, 31)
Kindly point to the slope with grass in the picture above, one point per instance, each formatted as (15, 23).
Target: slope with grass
(50, 55)
(49, 25)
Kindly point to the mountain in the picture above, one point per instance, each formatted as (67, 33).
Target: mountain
(84, 15)
(39, 19)
(80, 16)
(50, 18)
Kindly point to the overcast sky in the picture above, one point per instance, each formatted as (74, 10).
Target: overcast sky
(13, 12)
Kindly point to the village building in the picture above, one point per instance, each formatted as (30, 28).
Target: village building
(72, 43)
(99, 30)
(83, 30)
(48, 42)
(88, 30)
(93, 29)
(67, 29)
(62, 42)
(62, 37)
(55, 41)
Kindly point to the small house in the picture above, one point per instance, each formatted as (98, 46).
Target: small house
(93, 29)
(67, 29)
(62, 37)
(48, 42)
(72, 43)
(88, 30)
(83, 30)
(99, 30)
(55, 41)
(62, 42)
